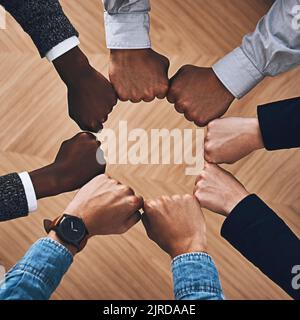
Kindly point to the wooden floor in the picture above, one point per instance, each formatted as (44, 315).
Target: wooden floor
(34, 122)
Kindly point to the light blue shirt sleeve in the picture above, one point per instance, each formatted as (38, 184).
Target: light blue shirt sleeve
(273, 48)
(38, 273)
(127, 24)
(195, 277)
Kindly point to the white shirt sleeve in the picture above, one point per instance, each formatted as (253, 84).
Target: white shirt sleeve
(62, 48)
(127, 24)
(273, 48)
(29, 191)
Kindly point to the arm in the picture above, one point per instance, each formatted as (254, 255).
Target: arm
(135, 70)
(44, 21)
(265, 240)
(105, 207)
(284, 115)
(15, 197)
(178, 227)
(251, 227)
(38, 273)
(90, 95)
(273, 48)
(19, 192)
(231, 139)
(195, 277)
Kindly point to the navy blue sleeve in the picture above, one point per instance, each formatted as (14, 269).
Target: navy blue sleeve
(265, 240)
(280, 124)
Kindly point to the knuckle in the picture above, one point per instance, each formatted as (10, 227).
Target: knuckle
(149, 204)
(211, 125)
(133, 201)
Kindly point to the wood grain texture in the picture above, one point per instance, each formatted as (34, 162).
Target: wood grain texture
(34, 122)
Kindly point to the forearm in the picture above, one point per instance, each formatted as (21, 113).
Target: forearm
(44, 21)
(45, 182)
(273, 48)
(127, 24)
(265, 240)
(279, 124)
(38, 273)
(195, 277)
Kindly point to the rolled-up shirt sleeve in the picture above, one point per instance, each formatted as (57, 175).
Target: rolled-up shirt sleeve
(273, 48)
(38, 273)
(127, 24)
(195, 277)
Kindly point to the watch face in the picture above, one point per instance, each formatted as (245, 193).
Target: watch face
(72, 229)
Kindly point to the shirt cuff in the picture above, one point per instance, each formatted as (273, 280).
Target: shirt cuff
(127, 31)
(29, 191)
(195, 277)
(62, 48)
(237, 73)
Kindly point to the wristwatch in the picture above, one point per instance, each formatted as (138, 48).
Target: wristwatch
(69, 229)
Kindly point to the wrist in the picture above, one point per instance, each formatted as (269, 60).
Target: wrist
(72, 66)
(235, 199)
(257, 139)
(195, 246)
(124, 54)
(45, 182)
(52, 235)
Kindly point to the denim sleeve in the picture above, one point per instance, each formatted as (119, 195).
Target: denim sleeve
(38, 273)
(195, 277)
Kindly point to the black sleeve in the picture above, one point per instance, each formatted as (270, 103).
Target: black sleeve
(280, 124)
(44, 21)
(265, 240)
(13, 201)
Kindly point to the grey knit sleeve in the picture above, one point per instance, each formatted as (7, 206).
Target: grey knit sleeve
(13, 202)
(44, 21)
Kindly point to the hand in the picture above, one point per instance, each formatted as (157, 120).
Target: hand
(176, 224)
(231, 139)
(106, 206)
(74, 166)
(218, 190)
(199, 94)
(91, 97)
(139, 74)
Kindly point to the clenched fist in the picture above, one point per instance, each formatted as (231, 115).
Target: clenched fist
(199, 94)
(231, 139)
(91, 96)
(74, 166)
(218, 190)
(106, 206)
(138, 75)
(176, 224)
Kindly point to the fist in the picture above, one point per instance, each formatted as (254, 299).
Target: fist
(106, 206)
(176, 224)
(139, 74)
(76, 162)
(90, 95)
(90, 100)
(199, 94)
(218, 190)
(231, 139)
